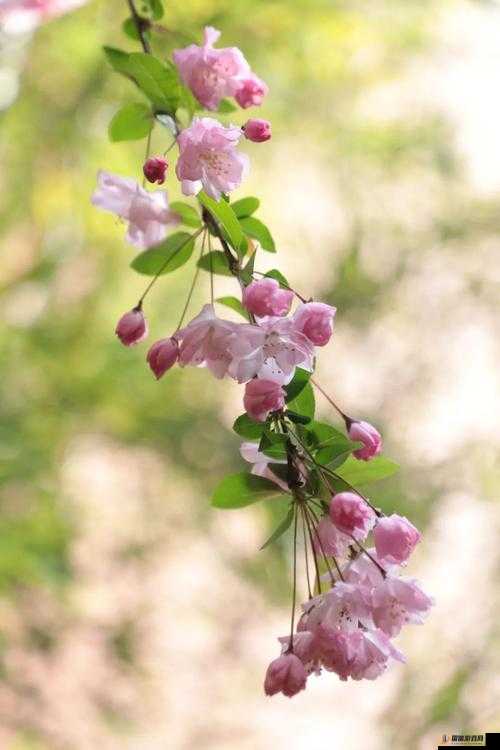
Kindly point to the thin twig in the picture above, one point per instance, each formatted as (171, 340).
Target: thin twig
(139, 25)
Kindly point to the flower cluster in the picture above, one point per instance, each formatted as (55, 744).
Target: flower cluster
(357, 602)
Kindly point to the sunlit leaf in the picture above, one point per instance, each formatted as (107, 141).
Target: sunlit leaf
(281, 528)
(166, 257)
(256, 229)
(245, 206)
(304, 403)
(215, 262)
(364, 472)
(234, 303)
(130, 123)
(297, 384)
(223, 212)
(247, 428)
(239, 490)
(189, 215)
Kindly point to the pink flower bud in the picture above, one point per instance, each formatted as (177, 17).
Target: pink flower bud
(365, 433)
(257, 130)
(286, 675)
(155, 169)
(251, 92)
(132, 327)
(315, 320)
(162, 356)
(265, 297)
(395, 539)
(261, 398)
(351, 514)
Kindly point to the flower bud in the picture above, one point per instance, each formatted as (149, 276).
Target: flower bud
(395, 539)
(315, 320)
(257, 131)
(351, 514)
(286, 675)
(261, 398)
(132, 327)
(162, 356)
(265, 297)
(365, 433)
(251, 92)
(155, 169)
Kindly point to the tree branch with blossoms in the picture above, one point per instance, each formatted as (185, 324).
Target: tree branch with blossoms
(357, 601)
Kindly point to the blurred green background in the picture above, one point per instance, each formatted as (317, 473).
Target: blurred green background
(131, 614)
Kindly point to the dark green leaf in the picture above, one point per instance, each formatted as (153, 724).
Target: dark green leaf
(298, 418)
(281, 528)
(239, 490)
(189, 216)
(247, 273)
(330, 446)
(304, 403)
(235, 304)
(247, 428)
(275, 274)
(245, 206)
(165, 257)
(225, 215)
(256, 229)
(226, 107)
(297, 384)
(273, 445)
(219, 263)
(129, 27)
(131, 122)
(364, 472)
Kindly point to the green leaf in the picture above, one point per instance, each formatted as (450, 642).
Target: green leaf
(226, 107)
(247, 272)
(240, 490)
(274, 445)
(117, 59)
(297, 418)
(297, 384)
(256, 229)
(247, 428)
(171, 254)
(219, 263)
(131, 122)
(189, 215)
(226, 216)
(129, 27)
(158, 81)
(154, 9)
(245, 206)
(364, 472)
(275, 274)
(329, 444)
(304, 403)
(281, 528)
(235, 304)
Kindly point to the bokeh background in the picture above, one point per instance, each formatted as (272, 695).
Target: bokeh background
(132, 615)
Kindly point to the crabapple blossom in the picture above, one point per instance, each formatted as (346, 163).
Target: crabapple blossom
(286, 675)
(251, 92)
(397, 601)
(132, 327)
(395, 538)
(147, 213)
(205, 342)
(261, 398)
(266, 297)
(155, 169)
(208, 158)
(257, 130)
(351, 515)
(163, 355)
(250, 453)
(365, 433)
(329, 539)
(315, 320)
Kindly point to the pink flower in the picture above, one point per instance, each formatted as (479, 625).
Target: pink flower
(210, 73)
(337, 649)
(205, 342)
(261, 398)
(395, 539)
(286, 675)
(315, 320)
(333, 542)
(365, 433)
(303, 646)
(155, 169)
(251, 92)
(257, 131)
(266, 297)
(208, 158)
(348, 605)
(372, 657)
(147, 213)
(351, 514)
(397, 601)
(250, 452)
(162, 356)
(21, 16)
(132, 327)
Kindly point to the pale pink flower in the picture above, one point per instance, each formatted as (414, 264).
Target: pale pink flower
(397, 601)
(363, 571)
(337, 649)
(205, 342)
(251, 92)
(303, 646)
(162, 356)
(351, 514)
(250, 452)
(331, 541)
(211, 73)
(348, 605)
(132, 327)
(261, 398)
(147, 213)
(373, 652)
(395, 539)
(266, 297)
(22, 16)
(155, 169)
(365, 433)
(257, 130)
(208, 158)
(286, 675)
(315, 320)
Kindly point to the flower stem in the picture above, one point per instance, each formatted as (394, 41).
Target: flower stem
(140, 26)
(193, 283)
(294, 588)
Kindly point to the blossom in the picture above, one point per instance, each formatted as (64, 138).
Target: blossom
(286, 675)
(251, 92)
(208, 158)
(132, 327)
(351, 514)
(205, 342)
(315, 320)
(365, 433)
(397, 601)
(212, 74)
(303, 646)
(155, 169)
(162, 356)
(261, 398)
(395, 538)
(373, 652)
(329, 540)
(266, 297)
(147, 213)
(21, 16)
(257, 131)
(250, 452)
